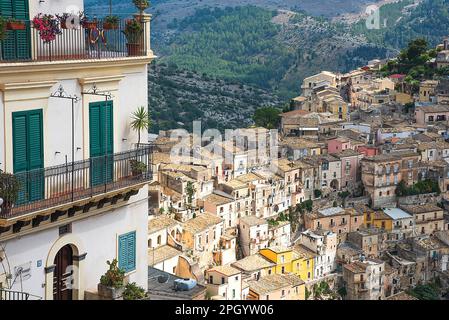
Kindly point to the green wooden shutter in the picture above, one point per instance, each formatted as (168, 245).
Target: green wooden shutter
(19, 131)
(127, 251)
(20, 161)
(28, 158)
(101, 133)
(17, 45)
(95, 144)
(35, 155)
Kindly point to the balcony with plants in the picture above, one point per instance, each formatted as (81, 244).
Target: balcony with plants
(61, 37)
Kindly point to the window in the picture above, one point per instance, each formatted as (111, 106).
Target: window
(150, 243)
(283, 270)
(127, 251)
(222, 280)
(211, 279)
(233, 293)
(159, 237)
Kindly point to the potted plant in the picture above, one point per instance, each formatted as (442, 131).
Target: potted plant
(89, 24)
(133, 32)
(141, 5)
(137, 167)
(134, 292)
(47, 25)
(111, 22)
(15, 24)
(9, 190)
(112, 283)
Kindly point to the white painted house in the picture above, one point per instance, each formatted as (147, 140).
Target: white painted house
(69, 218)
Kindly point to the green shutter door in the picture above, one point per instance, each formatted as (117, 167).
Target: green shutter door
(101, 141)
(127, 251)
(35, 155)
(28, 159)
(17, 45)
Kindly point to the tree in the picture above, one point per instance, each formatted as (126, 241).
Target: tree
(267, 117)
(317, 193)
(140, 121)
(190, 190)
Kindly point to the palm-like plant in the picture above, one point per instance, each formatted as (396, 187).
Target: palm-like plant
(140, 121)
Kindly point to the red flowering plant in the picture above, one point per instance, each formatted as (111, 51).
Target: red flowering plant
(48, 26)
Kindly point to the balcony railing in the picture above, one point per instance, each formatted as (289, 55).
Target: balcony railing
(58, 185)
(77, 43)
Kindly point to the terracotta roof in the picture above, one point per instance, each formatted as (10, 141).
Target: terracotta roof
(253, 263)
(159, 223)
(217, 200)
(201, 223)
(274, 282)
(226, 270)
(161, 254)
(414, 209)
(252, 221)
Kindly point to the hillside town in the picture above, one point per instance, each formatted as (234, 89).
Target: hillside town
(355, 207)
(347, 199)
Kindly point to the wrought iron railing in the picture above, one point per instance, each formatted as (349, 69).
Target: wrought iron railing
(80, 42)
(53, 186)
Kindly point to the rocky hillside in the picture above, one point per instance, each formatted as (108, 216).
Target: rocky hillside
(177, 97)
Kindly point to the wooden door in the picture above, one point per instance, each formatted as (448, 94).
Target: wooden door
(63, 275)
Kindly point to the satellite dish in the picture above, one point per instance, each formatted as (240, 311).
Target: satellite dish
(162, 278)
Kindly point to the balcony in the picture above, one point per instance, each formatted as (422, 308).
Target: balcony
(75, 43)
(53, 188)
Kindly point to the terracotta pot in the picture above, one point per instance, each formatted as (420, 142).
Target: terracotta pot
(15, 26)
(110, 26)
(133, 49)
(90, 24)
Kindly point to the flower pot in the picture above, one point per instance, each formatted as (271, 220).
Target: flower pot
(110, 292)
(133, 49)
(15, 26)
(110, 26)
(90, 24)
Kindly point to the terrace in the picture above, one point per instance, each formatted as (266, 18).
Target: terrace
(97, 40)
(49, 193)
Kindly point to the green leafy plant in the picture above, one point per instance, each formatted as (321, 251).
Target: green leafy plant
(133, 292)
(133, 31)
(190, 190)
(317, 193)
(114, 277)
(137, 167)
(111, 21)
(140, 120)
(9, 189)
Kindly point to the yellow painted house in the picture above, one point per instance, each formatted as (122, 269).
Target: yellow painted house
(297, 261)
(378, 219)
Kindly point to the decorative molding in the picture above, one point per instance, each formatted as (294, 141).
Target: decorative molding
(20, 91)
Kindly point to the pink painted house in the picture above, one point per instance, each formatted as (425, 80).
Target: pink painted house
(368, 151)
(350, 168)
(337, 145)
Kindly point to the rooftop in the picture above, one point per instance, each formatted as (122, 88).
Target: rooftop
(217, 200)
(396, 213)
(167, 288)
(160, 222)
(201, 223)
(161, 254)
(253, 221)
(225, 270)
(274, 282)
(416, 209)
(331, 211)
(253, 263)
